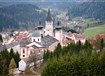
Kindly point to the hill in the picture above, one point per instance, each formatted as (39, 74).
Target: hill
(91, 9)
(20, 15)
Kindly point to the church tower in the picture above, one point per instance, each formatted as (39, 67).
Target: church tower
(49, 25)
(58, 32)
(40, 29)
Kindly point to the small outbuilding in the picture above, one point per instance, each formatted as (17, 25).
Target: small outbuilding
(22, 65)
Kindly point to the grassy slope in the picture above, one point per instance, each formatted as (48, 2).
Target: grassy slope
(87, 21)
(95, 30)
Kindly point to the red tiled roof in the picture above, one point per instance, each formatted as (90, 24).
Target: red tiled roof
(70, 34)
(79, 36)
(65, 41)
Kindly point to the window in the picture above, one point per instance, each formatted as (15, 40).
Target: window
(23, 50)
(39, 52)
(38, 39)
(23, 55)
(31, 52)
(34, 40)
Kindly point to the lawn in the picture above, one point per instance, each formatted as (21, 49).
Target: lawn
(94, 31)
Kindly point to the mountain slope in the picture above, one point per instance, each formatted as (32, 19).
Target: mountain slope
(91, 9)
(20, 15)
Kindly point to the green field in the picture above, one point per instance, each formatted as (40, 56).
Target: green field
(94, 31)
(87, 21)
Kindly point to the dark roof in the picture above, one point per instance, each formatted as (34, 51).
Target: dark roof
(58, 27)
(2, 47)
(77, 26)
(48, 40)
(40, 27)
(36, 33)
(24, 43)
(34, 46)
(11, 45)
(49, 16)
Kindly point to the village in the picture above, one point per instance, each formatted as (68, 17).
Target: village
(34, 43)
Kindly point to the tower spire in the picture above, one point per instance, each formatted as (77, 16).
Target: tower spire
(49, 16)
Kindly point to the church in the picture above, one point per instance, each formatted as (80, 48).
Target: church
(42, 39)
(47, 38)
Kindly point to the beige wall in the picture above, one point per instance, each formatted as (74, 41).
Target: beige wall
(53, 46)
(15, 48)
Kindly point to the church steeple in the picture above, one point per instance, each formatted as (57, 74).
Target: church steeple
(49, 25)
(49, 16)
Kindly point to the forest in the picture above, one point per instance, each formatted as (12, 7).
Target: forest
(75, 60)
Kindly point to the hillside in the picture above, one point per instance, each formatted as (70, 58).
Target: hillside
(94, 9)
(90, 32)
(20, 15)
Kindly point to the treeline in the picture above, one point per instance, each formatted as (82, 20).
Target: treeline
(5, 59)
(75, 60)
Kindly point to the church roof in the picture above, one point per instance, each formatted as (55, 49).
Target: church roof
(40, 25)
(49, 16)
(36, 33)
(48, 41)
(23, 43)
(58, 26)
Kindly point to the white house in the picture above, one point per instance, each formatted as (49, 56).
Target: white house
(22, 65)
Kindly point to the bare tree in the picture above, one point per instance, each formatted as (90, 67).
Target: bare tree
(33, 58)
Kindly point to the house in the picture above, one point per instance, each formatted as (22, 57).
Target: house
(22, 65)
(14, 45)
(75, 37)
(79, 37)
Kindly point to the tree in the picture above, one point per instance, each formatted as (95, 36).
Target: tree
(58, 50)
(12, 66)
(88, 47)
(33, 58)
(101, 44)
(17, 58)
(1, 39)
(12, 54)
(78, 46)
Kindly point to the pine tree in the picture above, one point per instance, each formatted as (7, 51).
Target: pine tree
(101, 44)
(1, 39)
(17, 58)
(12, 66)
(78, 46)
(58, 50)
(12, 54)
(88, 47)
